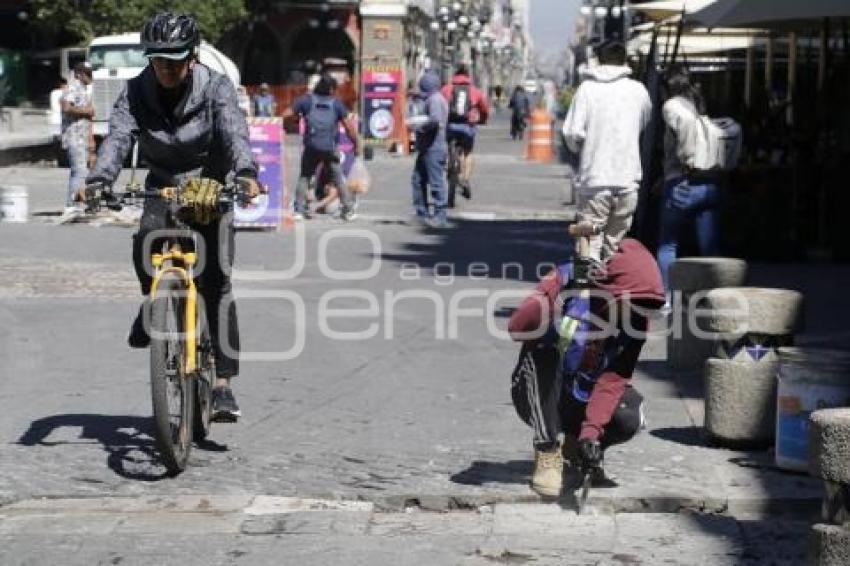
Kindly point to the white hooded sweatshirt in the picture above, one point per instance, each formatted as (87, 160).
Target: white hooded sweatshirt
(604, 124)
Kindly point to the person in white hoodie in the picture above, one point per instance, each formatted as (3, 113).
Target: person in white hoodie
(604, 125)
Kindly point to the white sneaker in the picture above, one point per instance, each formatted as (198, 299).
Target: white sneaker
(298, 216)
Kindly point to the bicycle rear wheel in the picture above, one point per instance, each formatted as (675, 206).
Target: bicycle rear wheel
(172, 391)
(453, 176)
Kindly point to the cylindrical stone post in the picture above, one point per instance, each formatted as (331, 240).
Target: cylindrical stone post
(740, 401)
(748, 325)
(829, 458)
(688, 277)
(829, 545)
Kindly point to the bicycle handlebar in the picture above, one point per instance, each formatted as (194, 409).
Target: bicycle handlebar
(97, 194)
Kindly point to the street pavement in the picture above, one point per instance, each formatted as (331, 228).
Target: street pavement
(414, 421)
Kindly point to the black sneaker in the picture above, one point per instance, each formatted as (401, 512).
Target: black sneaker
(598, 478)
(466, 190)
(224, 407)
(139, 337)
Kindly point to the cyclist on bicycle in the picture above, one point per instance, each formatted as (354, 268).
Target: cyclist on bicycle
(188, 124)
(468, 107)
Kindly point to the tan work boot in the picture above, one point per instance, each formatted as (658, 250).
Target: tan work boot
(548, 467)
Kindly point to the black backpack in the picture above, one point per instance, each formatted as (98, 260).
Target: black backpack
(322, 120)
(461, 103)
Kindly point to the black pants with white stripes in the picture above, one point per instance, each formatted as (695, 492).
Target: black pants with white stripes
(546, 405)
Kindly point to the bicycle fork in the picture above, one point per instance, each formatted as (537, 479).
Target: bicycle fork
(164, 264)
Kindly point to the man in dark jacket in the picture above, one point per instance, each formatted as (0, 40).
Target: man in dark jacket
(188, 124)
(520, 110)
(592, 402)
(432, 152)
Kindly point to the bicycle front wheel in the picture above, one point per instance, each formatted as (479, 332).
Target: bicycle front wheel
(172, 390)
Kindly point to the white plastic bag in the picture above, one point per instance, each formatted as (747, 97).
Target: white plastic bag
(359, 179)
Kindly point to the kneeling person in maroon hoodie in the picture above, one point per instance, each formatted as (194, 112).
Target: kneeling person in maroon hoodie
(574, 373)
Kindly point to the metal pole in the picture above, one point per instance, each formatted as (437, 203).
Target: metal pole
(768, 65)
(792, 76)
(748, 84)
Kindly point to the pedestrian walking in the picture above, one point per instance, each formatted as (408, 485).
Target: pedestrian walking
(604, 125)
(575, 380)
(264, 102)
(431, 153)
(323, 113)
(688, 197)
(55, 117)
(520, 107)
(327, 194)
(77, 140)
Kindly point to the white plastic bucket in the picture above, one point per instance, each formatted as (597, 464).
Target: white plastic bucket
(809, 379)
(13, 204)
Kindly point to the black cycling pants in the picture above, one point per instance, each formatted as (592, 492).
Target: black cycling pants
(212, 275)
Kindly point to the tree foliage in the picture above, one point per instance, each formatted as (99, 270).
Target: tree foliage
(78, 21)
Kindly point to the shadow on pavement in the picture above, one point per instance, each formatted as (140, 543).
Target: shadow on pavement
(127, 440)
(521, 250)
(685, 435)
(481, 472)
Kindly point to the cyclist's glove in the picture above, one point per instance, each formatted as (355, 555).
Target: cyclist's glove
(200, 197)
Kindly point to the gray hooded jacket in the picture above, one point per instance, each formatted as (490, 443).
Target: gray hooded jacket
(207, 136)
(431, 136)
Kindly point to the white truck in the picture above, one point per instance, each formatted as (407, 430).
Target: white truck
(118, 58)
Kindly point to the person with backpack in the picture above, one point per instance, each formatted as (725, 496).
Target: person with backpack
(579, 352)
(689, 195)
(520, 110)
(468, 107)
(604, 125)
(323, 113)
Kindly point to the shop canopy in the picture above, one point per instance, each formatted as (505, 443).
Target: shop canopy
(769, 13)
(663, 9)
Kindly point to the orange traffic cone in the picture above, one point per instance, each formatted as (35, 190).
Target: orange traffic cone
(540, 146)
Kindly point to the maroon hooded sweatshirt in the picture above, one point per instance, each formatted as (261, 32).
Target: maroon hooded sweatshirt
(631, 274)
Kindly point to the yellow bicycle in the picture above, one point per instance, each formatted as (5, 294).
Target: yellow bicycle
(182, 364)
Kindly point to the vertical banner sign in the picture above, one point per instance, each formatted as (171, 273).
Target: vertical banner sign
(266, 139)
(381, 91)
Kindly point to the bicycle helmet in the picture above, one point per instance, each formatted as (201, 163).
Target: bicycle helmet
(171, 36)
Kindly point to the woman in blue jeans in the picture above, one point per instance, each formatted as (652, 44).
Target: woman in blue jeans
(686, 202)
(686, 199)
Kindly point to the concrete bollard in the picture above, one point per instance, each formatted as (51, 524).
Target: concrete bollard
(686, 351)
(690, 274)
(738, 311)
(740, 401)
(829, 444)
(749, 325)
(829, 459)
(829, 545)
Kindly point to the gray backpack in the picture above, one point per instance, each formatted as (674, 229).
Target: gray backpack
(321, 132)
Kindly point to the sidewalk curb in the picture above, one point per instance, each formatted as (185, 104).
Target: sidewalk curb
(268, 505)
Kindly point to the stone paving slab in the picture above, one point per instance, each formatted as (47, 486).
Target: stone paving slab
(344, 532)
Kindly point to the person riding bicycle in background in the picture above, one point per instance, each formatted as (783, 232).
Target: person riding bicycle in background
(468, 107)
(188, 124)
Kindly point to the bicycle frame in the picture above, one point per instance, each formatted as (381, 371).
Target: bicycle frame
(163, 263)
